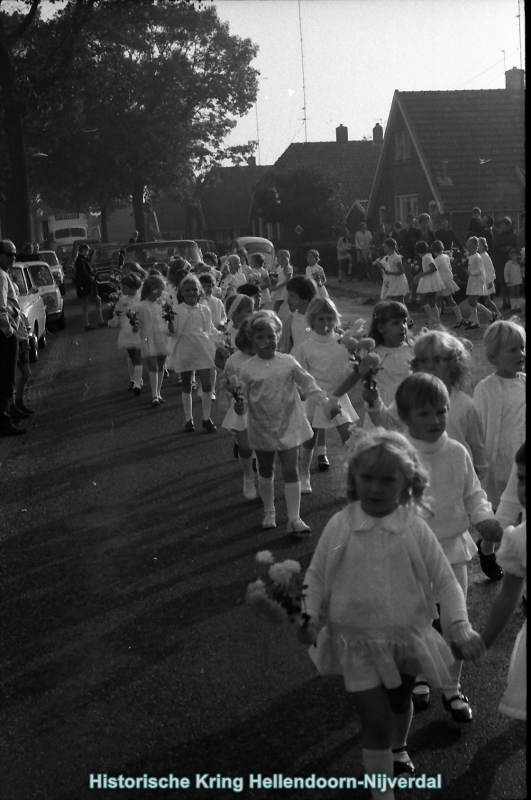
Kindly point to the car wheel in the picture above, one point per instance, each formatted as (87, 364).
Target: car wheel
(33, 348)
(43, 341)
(60, 325)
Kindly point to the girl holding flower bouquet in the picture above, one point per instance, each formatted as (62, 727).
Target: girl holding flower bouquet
(147, 319)
(276, 419)
(192, 348)
(238, 307)
(233, 421)
(370, 597)
(127, 338)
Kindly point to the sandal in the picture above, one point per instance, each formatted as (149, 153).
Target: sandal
(269, 520)
(421, 700)
(403, 769)
(299, 529)
(461, 714)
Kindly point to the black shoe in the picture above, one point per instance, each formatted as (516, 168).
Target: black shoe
(11, 430)
(458, 714)
(189, 427)
(15, 413)
(323, 463)
(166, 373)
(403, 769)
(131, 386)
(421, 701)
(137, 390)
(20, 404)
(209, 426)
(489, 565)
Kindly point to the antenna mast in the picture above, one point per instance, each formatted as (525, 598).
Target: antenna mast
(257, 130)
(520, 32)
(303, 79)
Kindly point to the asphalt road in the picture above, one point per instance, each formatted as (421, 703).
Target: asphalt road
(126, 649)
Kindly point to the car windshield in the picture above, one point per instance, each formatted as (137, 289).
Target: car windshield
(41, 275)
(258, 247)
(105, 254)
(162, 251)
(17, 276)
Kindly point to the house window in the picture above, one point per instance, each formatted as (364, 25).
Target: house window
(381, 211)
(402, 146)
(406, 204)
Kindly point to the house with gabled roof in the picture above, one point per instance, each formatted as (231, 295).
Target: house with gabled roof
(446, 152)
(350, 164)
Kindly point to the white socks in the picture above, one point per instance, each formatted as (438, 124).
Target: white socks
(160, 378)
(247, 467)
(131, 368)
(153, 381)
(457, 312)
(474, 315)
(292, 495)
(379, 762)
(206, 402)
(266, 489)
(320, 450)
(305, 460)
(428, 309)
(187, 405)
(137, 376)
(436, 314)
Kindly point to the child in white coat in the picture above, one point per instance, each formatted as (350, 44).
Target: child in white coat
(127, 338)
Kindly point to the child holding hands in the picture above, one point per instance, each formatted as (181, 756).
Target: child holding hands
(153, 333)
(128, 339)
(371, 589)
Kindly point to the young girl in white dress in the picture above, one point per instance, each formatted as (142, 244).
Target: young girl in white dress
(284, 271)
(276, 420)
(490, 279)
(238, 308)
(429, 282)
(192, 348)
(328, 361)
(301, 291)
(512, 556)
(395, 285)
(153, 333)
(444, 266)
(260, 276)
(476, 281)
(127, 339)
(237, 423)
(370, 595)
(315, 271)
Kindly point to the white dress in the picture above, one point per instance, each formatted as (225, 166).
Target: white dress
(257, 277)
(328, 362)
(299, 330)
(432, 282)
(444, 265)
(373, 582)
(317, 274)
(233, 421)
(512, 557)
(217, 310)
(490, 272)
(191, 347)
(154, 333)
(394, 369)
(394, 285)
(476, 276)
(276, 418)
(127, 339)
(282, 294)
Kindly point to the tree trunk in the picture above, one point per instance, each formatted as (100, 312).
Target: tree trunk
(104, 223)
(138, 207)
(19, 226)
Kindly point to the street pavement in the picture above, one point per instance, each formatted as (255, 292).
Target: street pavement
(126, 648)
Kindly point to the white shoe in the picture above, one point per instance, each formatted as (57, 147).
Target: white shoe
(299, 528)
(269, 520)
(249, 489)
(305, 484)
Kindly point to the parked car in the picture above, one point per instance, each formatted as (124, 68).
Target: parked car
(206, 246)
(255, 244)
(50, 256)
(103, 259)
(37, 275)
(32, 305)
(146, 253)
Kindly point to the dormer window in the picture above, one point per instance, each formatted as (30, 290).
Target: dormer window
(402, 146)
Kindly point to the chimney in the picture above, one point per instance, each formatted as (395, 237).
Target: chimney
(515, 80)
(251, 161)
(342, 134)
(377, 134)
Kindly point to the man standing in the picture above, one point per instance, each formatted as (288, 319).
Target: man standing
(363, 239)
(449, 239)
(504, 242)
(344, 255)
(10, 317)
(86, 288)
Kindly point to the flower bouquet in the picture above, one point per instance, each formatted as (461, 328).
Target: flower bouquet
(132, 316)
(168, 314)
(361, 349)
(233, 386)
(278, 592)
(113, 299)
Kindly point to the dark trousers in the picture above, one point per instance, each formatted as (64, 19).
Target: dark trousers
(8, 364)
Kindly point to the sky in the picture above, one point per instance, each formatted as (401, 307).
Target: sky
(357, 53)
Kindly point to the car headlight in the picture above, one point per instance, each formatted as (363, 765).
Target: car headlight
(49, 302)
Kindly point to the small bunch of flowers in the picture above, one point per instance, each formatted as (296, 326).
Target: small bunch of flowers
(224, 342)
(233, 386)
(132, 316)
(113, 299)
(168, 314)
(278, 592)
(361, 348)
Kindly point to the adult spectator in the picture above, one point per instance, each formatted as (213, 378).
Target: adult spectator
(475, 226)
(397, 230)
(362, 241)
(135, 238)
(10, 318)
(344, 255)
(28, 249)
(489, 231)
(504, 242)
(378, 238)
(446, 235)
(520, 236)
(407, 238)
(86, 287)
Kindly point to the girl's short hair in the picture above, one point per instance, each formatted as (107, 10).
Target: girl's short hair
(384, 311)
(390, 242)
(304, 287)
(447, 346)
(206, 277)
(152, 282)
(520, 455)
(250, 289)
(421, 248)
(230, 300)
(258, 321)
(437, 246)
(132, 281)
(420, 389)
(313, 253)
(321, 305)
(134, 266)
(258, 257)
(473, 239)
(424, 218)
(189, 278)
(283, 253)
(498, 335)
(161, 267)
(243, 339)
(211, 257)
(176, 271)
(483, 241)
(376, 445)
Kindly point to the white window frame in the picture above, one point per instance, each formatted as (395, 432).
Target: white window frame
(406, 204)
